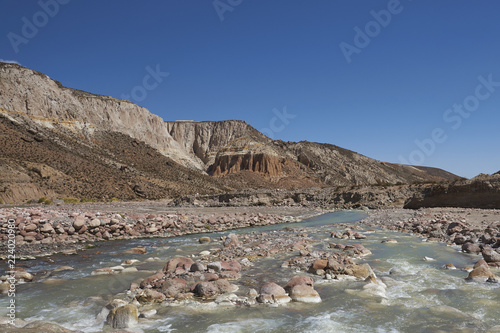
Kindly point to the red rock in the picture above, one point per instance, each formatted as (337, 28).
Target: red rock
(173, 287)
(182, 262)
(231, 265)
(299, 280)
(151, 280)
(206, 289)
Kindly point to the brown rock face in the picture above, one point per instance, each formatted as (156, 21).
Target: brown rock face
(265, 164)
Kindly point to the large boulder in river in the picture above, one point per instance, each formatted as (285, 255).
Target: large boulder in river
(299, 280)
(206, 289)
(490, 255)
(360, 271)
(173, 287)
(304, 293)
(123, 317)
(273, 293)
(182, 262)
(152, 280)
(481, 273)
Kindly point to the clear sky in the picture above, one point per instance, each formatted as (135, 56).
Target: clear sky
(415, 81)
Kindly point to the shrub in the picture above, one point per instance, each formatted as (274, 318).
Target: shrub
(71, 200)
(113, 199)
(88, 200)
(45, 201)
(1, 202)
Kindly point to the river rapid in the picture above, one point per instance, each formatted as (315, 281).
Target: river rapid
(421, 295)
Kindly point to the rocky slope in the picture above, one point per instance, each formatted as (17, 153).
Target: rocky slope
(60, 142)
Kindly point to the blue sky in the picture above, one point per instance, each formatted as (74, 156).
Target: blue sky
(377, 77)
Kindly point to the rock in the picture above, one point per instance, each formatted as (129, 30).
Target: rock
(102, 271)
(471, 248)
(79, 222)
(210, 276)
(123, 317)
(30, 227)
(318, 264)
(206, 289)
(204, 253)
(230, 265)
(215, 266)
(136, 250)
(94, 223)
(225, 287)
(490, 255)
(204, 240)
(231, 241)
(304, 293)
(197, 267)
(147, 313)
(360, 271)
(481, 274)
(150, 296)
(273, 293)
(25, 276)
(182, 262)
(173, 287)
(151, 280)
(64, 268)
(47, 228)
(428, 259)
(129, 270)
(390, 241)
(449, 266)
(299, 280)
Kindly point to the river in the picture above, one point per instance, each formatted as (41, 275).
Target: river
(421, 295)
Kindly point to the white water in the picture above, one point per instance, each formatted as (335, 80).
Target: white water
(420, 297)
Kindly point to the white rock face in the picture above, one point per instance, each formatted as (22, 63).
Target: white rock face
(24, 92)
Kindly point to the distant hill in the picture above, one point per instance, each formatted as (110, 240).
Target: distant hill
(62, 142)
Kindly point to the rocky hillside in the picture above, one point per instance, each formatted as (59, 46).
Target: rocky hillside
(62, 142)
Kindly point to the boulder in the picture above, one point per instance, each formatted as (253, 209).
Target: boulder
(197, 267)
(481, 273)
(136, 250)
(230, 265)
(150, 296)
(47, 228)
(471, 248)
(123, 317)
(94, 223)
(231, 241)
(299, 280)
(490, 255)
(151, 280)
(318, 264)
(30, 227)
(204, 240)
(173, 287)
(360, 271)
(273, 293)
(79, 222)
(304, 293)
(206, 289)
(182, 262)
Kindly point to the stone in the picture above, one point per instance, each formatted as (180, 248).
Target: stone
(123, 317)
(94, 223)
(215, 266)
(206, 289)
(42, 326)
(25, 276)
(318, 264)
(197, 267)
(471, 248)
(225, 287)
(204, 240)
(150, 296)
(481, 274)
(64, 268)
(136, 250)
(173, 287)
(79, 222)
(231, 241)
(129, 270)
(299, 280)
(305, 294)
(178, 262)
(30, 227)
(230, 265)
(47, 228)
(147, 313)
(273, 293)
(360, 271)
(102, 271)
(490, 255)
(151, 280)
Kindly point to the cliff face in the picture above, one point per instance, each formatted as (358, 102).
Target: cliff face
(28, 93)
(482, 191)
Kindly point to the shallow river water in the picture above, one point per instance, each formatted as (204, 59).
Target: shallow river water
(421, 295)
